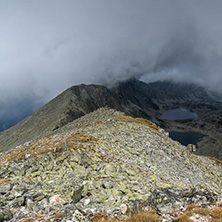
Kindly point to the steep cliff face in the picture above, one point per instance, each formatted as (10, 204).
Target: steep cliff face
(104, 162)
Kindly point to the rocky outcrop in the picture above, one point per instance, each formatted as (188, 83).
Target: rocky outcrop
(104, 162)
(191, 148)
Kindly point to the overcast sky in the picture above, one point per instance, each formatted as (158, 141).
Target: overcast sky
(49, 45)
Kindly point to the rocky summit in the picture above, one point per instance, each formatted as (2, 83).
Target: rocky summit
(105, 163)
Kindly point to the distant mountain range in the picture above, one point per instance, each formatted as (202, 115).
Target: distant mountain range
(133, 97)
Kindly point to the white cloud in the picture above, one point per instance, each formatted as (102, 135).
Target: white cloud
(47, 46)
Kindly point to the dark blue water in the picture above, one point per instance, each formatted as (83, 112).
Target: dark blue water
(186, 138)
(178, 114)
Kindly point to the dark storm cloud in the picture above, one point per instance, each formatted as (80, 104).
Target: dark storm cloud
(47, 46)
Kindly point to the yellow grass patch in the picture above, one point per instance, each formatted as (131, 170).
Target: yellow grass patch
(212, 214)
(217, 213)
(56, 216)
(147, 216)
(4, 181)
(219, 162)
(54, 144)
(137, 120)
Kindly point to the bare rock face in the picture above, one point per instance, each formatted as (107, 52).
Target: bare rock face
(104, 162)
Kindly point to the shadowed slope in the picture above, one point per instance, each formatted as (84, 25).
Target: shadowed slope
(69, 105)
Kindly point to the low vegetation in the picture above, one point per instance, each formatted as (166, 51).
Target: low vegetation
(210, 213)
(137, 120)
(217, 161)
(54, 145)
(139, 217)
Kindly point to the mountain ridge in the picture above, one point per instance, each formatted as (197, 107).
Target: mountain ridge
(105, 162)
(134, 98)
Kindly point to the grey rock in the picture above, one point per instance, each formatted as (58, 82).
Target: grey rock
(77, 194)
(5, 215)
(115, 166)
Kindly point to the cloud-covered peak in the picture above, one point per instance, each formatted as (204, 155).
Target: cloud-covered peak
(47, 46)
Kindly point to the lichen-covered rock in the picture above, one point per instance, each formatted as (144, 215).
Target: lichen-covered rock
(123, 208)
(5, 215)
(78, 217)
(114, 166)
(77, 194)
(56, 199)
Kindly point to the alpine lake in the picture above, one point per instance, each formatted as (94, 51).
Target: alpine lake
(184, 138)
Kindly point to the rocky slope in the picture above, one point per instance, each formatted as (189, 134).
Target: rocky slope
(104, 162)
(69, 105)
(135, 98)
(155, 98)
